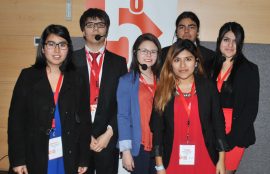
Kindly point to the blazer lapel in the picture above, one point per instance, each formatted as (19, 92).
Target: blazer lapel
(202, 99)
(82, 66)
(66, 85)
(44, 96)
(43, 87)
(80, 61)
(170, 112)
(106, 75)
(135, 94)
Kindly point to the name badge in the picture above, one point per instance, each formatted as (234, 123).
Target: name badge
(187, 155)
(55, 148)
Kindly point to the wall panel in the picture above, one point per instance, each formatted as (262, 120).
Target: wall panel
(253, 15)
(20, 22)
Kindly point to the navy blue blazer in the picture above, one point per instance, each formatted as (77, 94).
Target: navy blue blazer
(129, 119)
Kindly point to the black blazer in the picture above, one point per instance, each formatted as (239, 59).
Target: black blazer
(206, 54)
(211, 117)
(244, 100)
(114, 66)
(30, 118)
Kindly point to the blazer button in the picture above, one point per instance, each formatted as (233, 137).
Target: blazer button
(68, 132)
(67, 114)
(70, 151)
(207, 144)
(48, 131)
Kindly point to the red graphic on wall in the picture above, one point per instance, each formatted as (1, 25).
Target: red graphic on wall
(140, 20)
(134, 15)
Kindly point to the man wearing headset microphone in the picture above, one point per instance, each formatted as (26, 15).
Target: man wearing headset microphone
(102, 69)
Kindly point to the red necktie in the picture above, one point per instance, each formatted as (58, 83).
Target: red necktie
(94, 80)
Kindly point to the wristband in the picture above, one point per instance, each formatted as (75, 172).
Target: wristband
(159, 168)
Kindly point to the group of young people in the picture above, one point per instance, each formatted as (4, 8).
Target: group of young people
(180, 109)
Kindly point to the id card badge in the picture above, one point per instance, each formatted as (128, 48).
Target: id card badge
(186, 154)
(93, 109)
(55, 148)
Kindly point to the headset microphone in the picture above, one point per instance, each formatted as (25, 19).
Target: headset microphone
(144, 66)
(98, 37)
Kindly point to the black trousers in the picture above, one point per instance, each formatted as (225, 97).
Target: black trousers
(104, 162)
(144, 163)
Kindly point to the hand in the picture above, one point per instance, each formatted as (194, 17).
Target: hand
(220, 167)
(161, 172)
(93, 143)
(20, 169)
(102, 141)
(127, 160)
(82, 170)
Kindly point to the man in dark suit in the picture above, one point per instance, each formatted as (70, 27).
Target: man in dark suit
(102, 69)
(187, 27)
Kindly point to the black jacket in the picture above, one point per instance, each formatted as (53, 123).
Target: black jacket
(30, 117)
(114, 67)
(211, 117)
(243, 98)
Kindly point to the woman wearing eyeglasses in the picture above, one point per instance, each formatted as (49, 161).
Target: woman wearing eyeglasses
(135, 95)
(47, 124)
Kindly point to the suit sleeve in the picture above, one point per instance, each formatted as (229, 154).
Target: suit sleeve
(157, 128)
(124, 114)
(17, 124)
(85, 128)
(122, 71)
(248, 114)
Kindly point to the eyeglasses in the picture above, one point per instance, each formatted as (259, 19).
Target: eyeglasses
(93, 25)
(147, 52)
(189, 27)
(52, 45)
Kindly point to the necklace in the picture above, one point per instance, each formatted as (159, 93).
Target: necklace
(186, 95)
(147, 76)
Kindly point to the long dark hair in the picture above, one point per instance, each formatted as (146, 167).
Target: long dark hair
(60, 31)
(135, 63)
(237, 59)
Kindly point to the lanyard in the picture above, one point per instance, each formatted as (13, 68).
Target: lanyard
(56, 94)
(221, 80)
(95, 74)
(152, 91)
(187, 106)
